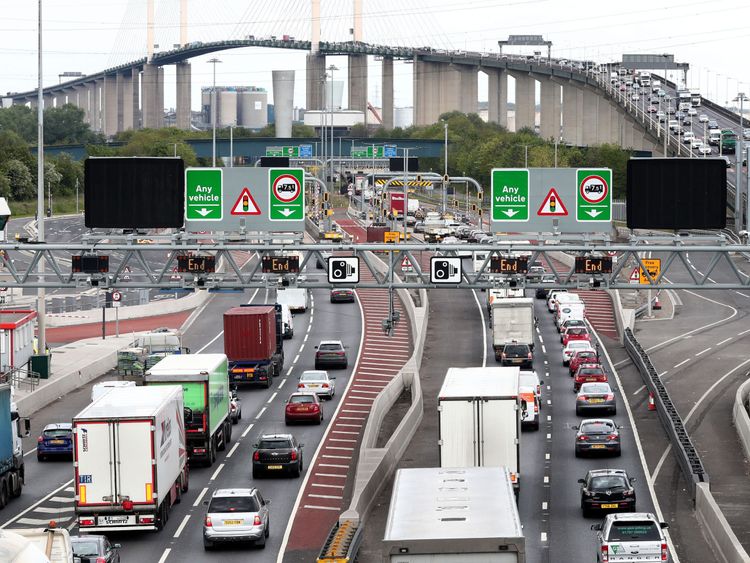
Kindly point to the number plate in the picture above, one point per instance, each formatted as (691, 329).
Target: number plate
(598, 447)
(232, 522)
(57, 441)
(115, 520)
(614, 505)
(596, 400)
(274, 467)
(313, 385)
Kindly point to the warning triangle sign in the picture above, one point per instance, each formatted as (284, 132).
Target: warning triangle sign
(245, 204)
(635, 275)
(552, 205)
(405, 262)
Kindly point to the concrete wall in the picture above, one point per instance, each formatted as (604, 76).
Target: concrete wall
(315, 69)
(715, 527)
(551, 109)
(525, 101)
(182, 85)
(387, 89)
(358, 83)
(497, 96)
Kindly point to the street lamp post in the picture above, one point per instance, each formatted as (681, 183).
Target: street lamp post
(214, 109)
(41, 297)
(231, 145)
(741, 98)
(332, 68)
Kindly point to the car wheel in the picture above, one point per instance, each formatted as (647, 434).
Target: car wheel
(3, 492)
(586, 512)
(261, 543)
(267, 531)
(235, 420)
(40, 458)
(614, 411)
(296, 471)
(578, 411)
(207, 545)
(256, 473)
(320, 420)
(287, 421)
(186, 482)
(268, 381)
(618, 452)
(578, 453)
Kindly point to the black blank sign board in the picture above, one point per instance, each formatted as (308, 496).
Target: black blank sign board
(134, 193)
(397, 164)
(677, 193)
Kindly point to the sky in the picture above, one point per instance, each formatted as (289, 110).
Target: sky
(90, 35)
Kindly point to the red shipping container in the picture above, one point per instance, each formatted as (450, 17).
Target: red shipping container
(250, 333)
(396, 200)
(376, 233)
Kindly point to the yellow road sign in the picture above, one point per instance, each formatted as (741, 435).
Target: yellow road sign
(391, 236)
(653, 265)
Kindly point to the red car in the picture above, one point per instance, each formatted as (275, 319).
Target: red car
(303, 407)
(588, 373)
(582, 357)
(575, 333)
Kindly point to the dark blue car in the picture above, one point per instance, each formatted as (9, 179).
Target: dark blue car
(56, 441)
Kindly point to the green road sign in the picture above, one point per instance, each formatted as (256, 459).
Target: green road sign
(286, 194)
(510, 194)
(593, 194)
(289, 151)
(359, 152)
(274, 151)
(203, 194)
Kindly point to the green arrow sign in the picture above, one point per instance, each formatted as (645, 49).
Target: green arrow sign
(286, 195)
(593, 194)
(510, 194)
(203, 194)
(358, 152)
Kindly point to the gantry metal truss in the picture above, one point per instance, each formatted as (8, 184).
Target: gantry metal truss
(133, 265)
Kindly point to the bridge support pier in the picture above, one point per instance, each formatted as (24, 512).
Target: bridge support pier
(572, 130)
(387, 88)
(315, 69)
(152, 96)
(92, 112)
(182, 105)
(60, 99)
(551, 109)
(283, 101)
(109, 105)
(590, 117)
(358, 84)
(525, 101)
(497, 96)
(604, 121)
(426, 85)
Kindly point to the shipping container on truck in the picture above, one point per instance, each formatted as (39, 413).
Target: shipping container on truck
(129, 459)
(453, 515)
(254, 343)
(512, 321)
(396, 202)
(205, 390)
(12, 429)
(479, 424)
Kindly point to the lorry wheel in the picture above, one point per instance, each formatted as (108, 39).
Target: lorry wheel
(15, 490)
(221, 446)
(185, 484)
(268, 381)
(3, 492)
(211, 453)
(229, 432)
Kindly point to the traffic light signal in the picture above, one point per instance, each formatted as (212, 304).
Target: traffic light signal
(326, 196)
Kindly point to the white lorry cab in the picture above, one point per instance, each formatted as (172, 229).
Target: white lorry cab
(296, 298)
(287, 321)
(635, 537)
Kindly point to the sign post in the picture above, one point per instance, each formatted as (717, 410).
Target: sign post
(204, 194)
(510, 194)
(594, 195)
(286, 194)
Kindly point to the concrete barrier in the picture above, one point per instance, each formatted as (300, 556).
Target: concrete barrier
(715, 527)
(741, 418)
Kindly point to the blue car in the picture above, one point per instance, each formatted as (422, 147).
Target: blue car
(56, 441)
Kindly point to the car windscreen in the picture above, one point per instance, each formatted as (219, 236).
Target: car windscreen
(634, 530)
(233, 504)
(605, 482)
(57, 433)
(313, 377)
(274, 445)
(579, 345)
(595, 388)
(302, 399)
(590, 371)
(597, 428)
(576, 331)
(85, 547)
(516, 349)
(328, 347)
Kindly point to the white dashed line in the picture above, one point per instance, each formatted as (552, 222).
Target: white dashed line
(549, 417)
(281, 383)
(549, 436)
(300, 349)
(234, 448)
(260, 413)
(306, 337)
(544, 536)
(541, 340)
(247, 430)
(544, 350)
(544, 506)
(165, 555)
(289, 371)
(295, 359)
(641, 388)
(546, 456)
(216, 473)
(271, 398)
(200, 496)
(546, 479)
(181, 526)
(549, 401)
(724, 341)
(683, 362)
(744, 332)
(703, 351)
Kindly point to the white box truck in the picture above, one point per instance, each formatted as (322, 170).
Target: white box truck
(130, 460)
(479, 419)
(453, 515)
(512, 321)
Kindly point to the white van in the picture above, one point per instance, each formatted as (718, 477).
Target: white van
(287, 321)
(565, 298)
(296, 298)
(159, 341)
(106, 386)
(567, 311)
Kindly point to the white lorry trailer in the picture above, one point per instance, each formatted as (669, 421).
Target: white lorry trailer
(453, 515)
(130, 459)
(512, 321)
(479, 419)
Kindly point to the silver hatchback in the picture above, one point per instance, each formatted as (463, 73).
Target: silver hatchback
(236, 515)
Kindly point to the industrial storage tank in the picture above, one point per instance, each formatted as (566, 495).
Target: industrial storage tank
(253, 109)
(206, 104)
(227, 114)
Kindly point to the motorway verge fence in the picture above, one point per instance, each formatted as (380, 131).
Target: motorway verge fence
(687, 457)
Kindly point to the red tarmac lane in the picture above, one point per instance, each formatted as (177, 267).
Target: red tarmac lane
(334, 468)
(65, 334)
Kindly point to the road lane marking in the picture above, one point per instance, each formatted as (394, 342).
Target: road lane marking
(289, 371)
(322, 507)
(247, 430)
(236, 445)
(181, 526)
(300, 350)
(544, 536)
(306, 337)
(703, 351)
(683, 362)
(544, 350)
(33, 506)
(544, 506)
(546, 479)
(540, 338)
(29, 452)
(281, 383)
(260, 413)
(216, 473)
(165, 555)
(549, 436)
(641, 388)
(295, 359)
(200, 496)
(744, 332)
(271, 398)
(484, 328)
(546, 456)
(724, 341)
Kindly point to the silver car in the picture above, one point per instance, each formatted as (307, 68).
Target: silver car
(595, 397)
(318, 382)
(236, 515)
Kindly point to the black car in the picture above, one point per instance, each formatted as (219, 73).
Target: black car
(607, 489)
(541, 292)
(515, 354)
(597, 435)
(342, 295)
(94, 549)
(277, 453)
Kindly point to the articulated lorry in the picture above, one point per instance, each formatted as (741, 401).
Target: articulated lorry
(479, 419)
(12, 429)
(130, 459)
(253, 343)
(456, 515)
(512, 322)
(205, 389)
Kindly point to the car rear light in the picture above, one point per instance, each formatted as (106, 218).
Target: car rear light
(146, 519)
(339, 353)
(610, 396)
(605, 554)
(127, 505)
(207, 522)
(529, 356)
(536, 408)
(612, 437)
(256, 521)
(584, 398)
(39, 440)
(86, 522)
(101, 560)
(293, 456)
(315, 407)
(256, 456)
(627, 493)
(325, 386)
(199, 450)
(300, 385)
(664, 551)
(504, 356)
(582, 438)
